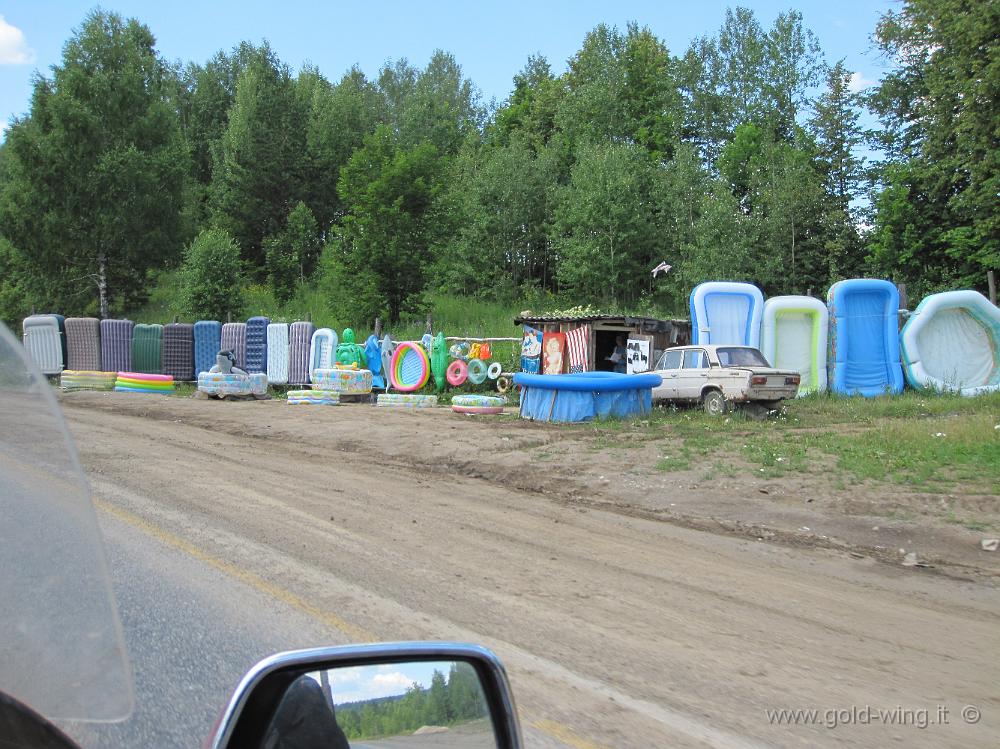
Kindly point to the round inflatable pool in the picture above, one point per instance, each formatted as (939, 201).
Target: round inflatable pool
(585, 395)
(478, 404)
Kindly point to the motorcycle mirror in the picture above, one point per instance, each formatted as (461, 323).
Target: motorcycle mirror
(359, 697)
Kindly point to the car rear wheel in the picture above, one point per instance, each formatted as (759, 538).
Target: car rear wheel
(713, 403)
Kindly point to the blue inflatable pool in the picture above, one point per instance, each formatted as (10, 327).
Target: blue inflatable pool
(584, 396)
(864, 338)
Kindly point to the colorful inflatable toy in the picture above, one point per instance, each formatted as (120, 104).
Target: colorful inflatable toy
(458, 372)
(314, 397)
(406, 400)
(439, 361)
(350, 353)
(344, 380)
(494, 370)
(478, 404)
(410, 369)
(477, 371)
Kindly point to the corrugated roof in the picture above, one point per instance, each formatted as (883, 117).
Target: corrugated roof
(644, 323)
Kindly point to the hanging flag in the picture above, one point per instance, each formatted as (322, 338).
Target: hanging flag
(576, 345)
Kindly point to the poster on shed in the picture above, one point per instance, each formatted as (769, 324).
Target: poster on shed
(637, 356)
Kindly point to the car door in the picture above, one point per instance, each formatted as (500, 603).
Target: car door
(668, 368)
(693, 374)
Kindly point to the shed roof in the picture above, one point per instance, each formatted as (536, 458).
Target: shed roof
(642, 323)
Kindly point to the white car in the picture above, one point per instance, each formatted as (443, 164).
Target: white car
(720, 376)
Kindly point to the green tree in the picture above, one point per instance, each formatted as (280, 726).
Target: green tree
(212, 276)
(291, 255)
(96, 171)
(385, 238)
(258, 175)
(939, 107)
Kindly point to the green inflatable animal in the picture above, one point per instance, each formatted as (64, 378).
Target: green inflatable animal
(439, 361)
(350, 353)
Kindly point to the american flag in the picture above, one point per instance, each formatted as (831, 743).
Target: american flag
(576, 344)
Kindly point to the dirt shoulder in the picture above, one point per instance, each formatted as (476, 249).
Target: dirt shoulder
(644, 469)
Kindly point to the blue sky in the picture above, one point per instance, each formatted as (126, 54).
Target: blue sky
(491, 41)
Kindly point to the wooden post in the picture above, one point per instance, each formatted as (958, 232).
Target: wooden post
(229, 317)
(991, 280)
(378, 328)
(429, 327)
(902, 303)
(309, 316)
(177, 319)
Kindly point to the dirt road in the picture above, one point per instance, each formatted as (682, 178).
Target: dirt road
(619, 628)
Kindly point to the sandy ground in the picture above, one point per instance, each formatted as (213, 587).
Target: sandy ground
(632, 609)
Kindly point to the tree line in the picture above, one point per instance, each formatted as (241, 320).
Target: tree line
(739, 159)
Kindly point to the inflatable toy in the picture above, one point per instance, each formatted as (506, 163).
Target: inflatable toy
(503, 384)
(138, 382)
(477, 404)
(439, 361)
(278, 353)
(116, 345)
(477, 371)
(723, 312)
(83, 343)
(373, 355)
(793, 335)
(485, 351)
(863, 349)
(410, 369)
(406, 400)
(457, 373)
(426, 340)
(387, 348)
(460, 350)
(952, 342)
(256, 333)
(494, 370)
(344, 380)
(586, 395)
(219, 384)
(314, 397)
(322, 349)
(350, 353)
(87, 380)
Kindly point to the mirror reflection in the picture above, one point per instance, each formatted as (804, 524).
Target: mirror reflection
(413, 704)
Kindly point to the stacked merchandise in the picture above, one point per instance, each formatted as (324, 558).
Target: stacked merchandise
(141, 382)
(87, 380)
(314, 397)
(344, 380)
(222, 384)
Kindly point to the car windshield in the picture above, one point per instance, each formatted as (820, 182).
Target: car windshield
(741, 357)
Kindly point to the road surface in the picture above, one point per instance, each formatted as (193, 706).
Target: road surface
(239, 529)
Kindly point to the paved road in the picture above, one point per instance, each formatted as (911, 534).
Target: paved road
(618, 631)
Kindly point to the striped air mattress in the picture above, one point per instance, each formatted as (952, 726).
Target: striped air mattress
(74, 380)
(314, 397)
(406, 400)
(116, 345)
(147, 344)
(345, 381)
(207, 344)
(219, 384)
(299, 342)
(83, 343)
(178, 351)
(234, 338)
(43, 341)
(277, 353)
(256, 355)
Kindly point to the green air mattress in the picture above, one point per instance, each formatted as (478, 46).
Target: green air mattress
(147, 346)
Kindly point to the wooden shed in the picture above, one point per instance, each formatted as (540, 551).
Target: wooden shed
(604, 329)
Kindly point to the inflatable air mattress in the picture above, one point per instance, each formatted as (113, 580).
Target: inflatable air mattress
(116, 345)
(256, 356)
(406, 400)
(314, 397)
(73, 380)
(322, 350)
(277, 353)
(43, 341)
(207, 344)
(793, 335)
(299, 344)
(952, 342)
(83, 343)
(726, 313)
(147, 344)
(178, 351)
(345, 381)
(478, 404)
(234, 338)
(863, 355)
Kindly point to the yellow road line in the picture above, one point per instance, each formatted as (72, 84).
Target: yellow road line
(356, 633)
(565, 735)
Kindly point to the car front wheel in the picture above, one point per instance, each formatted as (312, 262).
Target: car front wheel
(714, 404)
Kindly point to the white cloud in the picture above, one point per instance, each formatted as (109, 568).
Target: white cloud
(13, 47)
(858, 82)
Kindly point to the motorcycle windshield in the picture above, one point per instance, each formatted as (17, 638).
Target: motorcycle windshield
(61, 646)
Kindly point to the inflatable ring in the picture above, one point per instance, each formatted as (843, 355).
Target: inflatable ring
(459, 350)
(503, 384)
(494, 370)
(477, 371)
(410, 368)
(457, 373)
